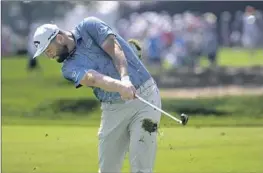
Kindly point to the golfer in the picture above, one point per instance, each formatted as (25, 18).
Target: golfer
(94, 56)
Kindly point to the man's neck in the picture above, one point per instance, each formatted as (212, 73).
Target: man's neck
(71, 42)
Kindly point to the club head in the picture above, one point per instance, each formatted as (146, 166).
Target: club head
(184, 119)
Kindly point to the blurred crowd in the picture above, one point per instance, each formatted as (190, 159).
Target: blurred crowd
(169, 41)
(181, 39)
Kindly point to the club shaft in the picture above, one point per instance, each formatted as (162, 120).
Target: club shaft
(167, 114)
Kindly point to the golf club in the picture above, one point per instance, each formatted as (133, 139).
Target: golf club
(184, 117)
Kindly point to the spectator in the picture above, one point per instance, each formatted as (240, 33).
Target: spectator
(250, 30)
(210, 38)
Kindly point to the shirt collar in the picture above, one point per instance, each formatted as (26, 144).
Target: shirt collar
(76, 35)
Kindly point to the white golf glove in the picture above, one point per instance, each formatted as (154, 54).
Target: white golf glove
(128, 90)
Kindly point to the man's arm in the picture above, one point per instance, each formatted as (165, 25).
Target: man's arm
(104, 36)
(113, 48)
(90, 78)
(93, 78)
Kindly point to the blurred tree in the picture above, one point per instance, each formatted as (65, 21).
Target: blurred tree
(20, 14)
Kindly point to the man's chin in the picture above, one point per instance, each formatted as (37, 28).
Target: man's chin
(61, 59)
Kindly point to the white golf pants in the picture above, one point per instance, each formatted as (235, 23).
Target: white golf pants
(130, 126)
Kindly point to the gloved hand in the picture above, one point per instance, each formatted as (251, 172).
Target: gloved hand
(127, 90)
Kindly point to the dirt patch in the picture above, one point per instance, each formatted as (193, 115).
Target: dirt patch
(149, 126)
(210, 92)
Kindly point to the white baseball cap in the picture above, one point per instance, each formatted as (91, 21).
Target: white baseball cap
(43, 36)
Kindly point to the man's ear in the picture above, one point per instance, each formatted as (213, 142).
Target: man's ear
(59, 38)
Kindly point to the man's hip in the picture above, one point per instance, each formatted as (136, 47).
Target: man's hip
(144, 90)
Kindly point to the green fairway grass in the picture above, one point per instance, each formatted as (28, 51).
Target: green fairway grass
(63, 149)
(224, 135)
(236, 58)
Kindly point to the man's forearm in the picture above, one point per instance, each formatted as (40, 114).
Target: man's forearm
(114, 49)
(120, 61)
(95, 79)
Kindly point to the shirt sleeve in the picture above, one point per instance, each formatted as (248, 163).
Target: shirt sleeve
(74, 74)
(97, 29)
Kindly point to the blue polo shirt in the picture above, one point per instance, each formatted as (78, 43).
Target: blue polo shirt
(89, 36)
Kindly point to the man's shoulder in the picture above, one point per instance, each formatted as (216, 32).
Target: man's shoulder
(68, 70)
(64, 66)
(86, 22)
(68, 64)
(89, 20)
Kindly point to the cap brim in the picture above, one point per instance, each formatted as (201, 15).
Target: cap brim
(40, 51)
